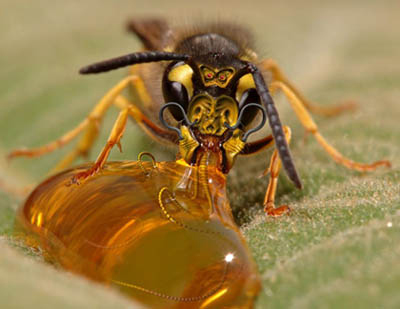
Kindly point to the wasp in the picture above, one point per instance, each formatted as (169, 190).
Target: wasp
(213, 85)
(163, 232)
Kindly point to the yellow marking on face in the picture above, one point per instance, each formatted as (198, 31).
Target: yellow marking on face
(187, 145)
(211, 114)
(245, 82)
(183, 74)
(233, 147)
(211, 76)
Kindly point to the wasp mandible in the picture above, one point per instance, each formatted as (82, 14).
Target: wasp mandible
(213, 86)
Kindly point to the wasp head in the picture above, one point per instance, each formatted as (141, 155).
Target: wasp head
(215, 105)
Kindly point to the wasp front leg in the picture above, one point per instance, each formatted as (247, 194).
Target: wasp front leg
(278, 76)
(150, 128)
(273, 170)
(127, 109)
(114, 139)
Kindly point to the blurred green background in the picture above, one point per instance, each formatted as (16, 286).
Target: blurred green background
(340, 246)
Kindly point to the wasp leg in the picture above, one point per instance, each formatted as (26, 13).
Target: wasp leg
(273, 169)
(91, 126)
(139, 88)
(94, 121)
(151, 129)
(277, 75)
(127, 109)
(311, 127)
(65, 139)
(145, 123)
(114, 97)
(258, 145)
(113, 139)
(90, 123)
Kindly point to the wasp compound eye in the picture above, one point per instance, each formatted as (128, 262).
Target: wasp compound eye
(176, 92)
(249, 96)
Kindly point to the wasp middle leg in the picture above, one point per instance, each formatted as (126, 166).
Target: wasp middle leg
(311, 127)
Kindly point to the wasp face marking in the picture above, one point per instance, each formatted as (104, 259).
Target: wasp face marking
(211, 114)
(211, 76)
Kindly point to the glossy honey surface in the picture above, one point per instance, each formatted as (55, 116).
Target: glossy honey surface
(162, 233)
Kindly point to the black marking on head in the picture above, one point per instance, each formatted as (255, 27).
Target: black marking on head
(212, 49)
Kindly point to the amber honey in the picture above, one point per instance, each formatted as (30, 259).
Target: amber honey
(163, 233)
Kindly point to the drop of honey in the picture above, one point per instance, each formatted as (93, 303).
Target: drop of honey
(163, 234)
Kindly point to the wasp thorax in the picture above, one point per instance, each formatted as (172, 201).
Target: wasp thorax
(211, 114)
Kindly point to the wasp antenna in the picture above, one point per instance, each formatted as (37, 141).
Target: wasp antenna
(276, 125)
(134, 58)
